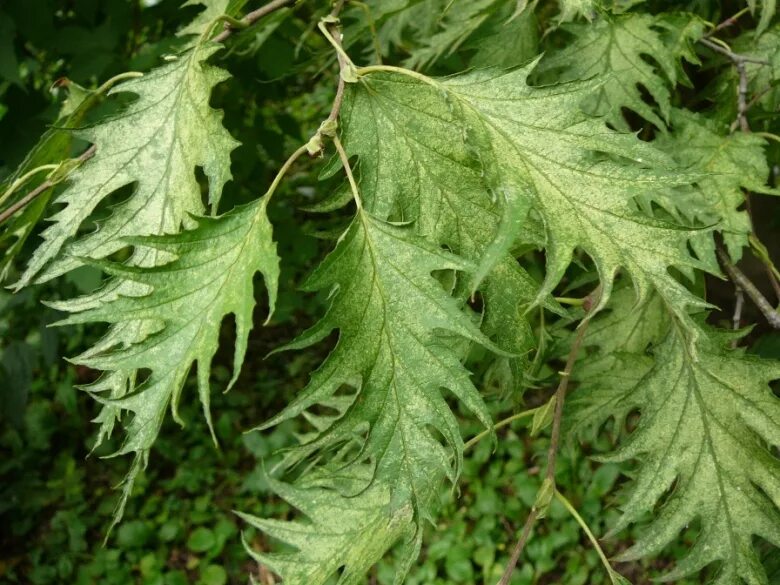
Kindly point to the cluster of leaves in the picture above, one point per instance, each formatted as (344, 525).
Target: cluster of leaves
(624, 154)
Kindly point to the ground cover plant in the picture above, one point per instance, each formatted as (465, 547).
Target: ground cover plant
(446, 291)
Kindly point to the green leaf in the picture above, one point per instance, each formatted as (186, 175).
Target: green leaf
(621, 47)
(618, 342)
(155, 145)
(728, 163)
(388, 309)
(706, 421)
(207, 17)
(768, 10)
(201, 540)
(54, 146)
(179, 306)
(571, 9)
(488, 131)
(706, 418)
(461, 18)
(509, 42)
(347, 533)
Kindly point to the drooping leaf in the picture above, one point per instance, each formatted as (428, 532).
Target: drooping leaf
(350, 533)
(181, 311)
(154, 145)
(387, 308)
(728, 163)
(631, 51)
(490, 131)
(705, 426)
(706, 420)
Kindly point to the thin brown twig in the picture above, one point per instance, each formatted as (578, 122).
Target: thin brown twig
(252, 17)
(518, 550)
(744, 283)
(736, 319)
(718, 48)
(555, 438)
(336, 34)
(43, 187)
(731, 21)
(742, 90)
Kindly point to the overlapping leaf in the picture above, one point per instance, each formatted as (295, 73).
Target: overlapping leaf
(631, 50)
(154, 145)
(706, 421)
(728, 163)
(388, 308)
(705, 429)
(488, 131)
(185, 302)
(347, 533)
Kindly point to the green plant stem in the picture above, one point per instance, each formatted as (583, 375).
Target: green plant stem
(347, 62)
(361, 71)
(768, 135)
(251, 18)
(552, 453)
(43, 187)
(500, 424)
(574, 302)
(20, 182)
(283, 170)
(348, 170)
(588, 532)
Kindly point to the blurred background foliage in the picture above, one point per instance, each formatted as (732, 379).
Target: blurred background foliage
(56, 497)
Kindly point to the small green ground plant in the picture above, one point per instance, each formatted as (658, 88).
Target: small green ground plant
(522, 247)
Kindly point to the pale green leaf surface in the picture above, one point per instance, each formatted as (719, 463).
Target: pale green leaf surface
(348, 533)
(156, 145)
(388, 309)
(572, 9)
(620, 47)
(529, 143)
(728, 163)
(706, 423)
(212, 11)
(617, 356)
(177, 321)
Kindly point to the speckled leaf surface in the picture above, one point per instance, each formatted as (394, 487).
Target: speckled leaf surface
(707, 421)
(387, 308)
(630, 50)
(728, 163)
(155, 144)
(185, 301)
(705, 427)
(489, 132)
